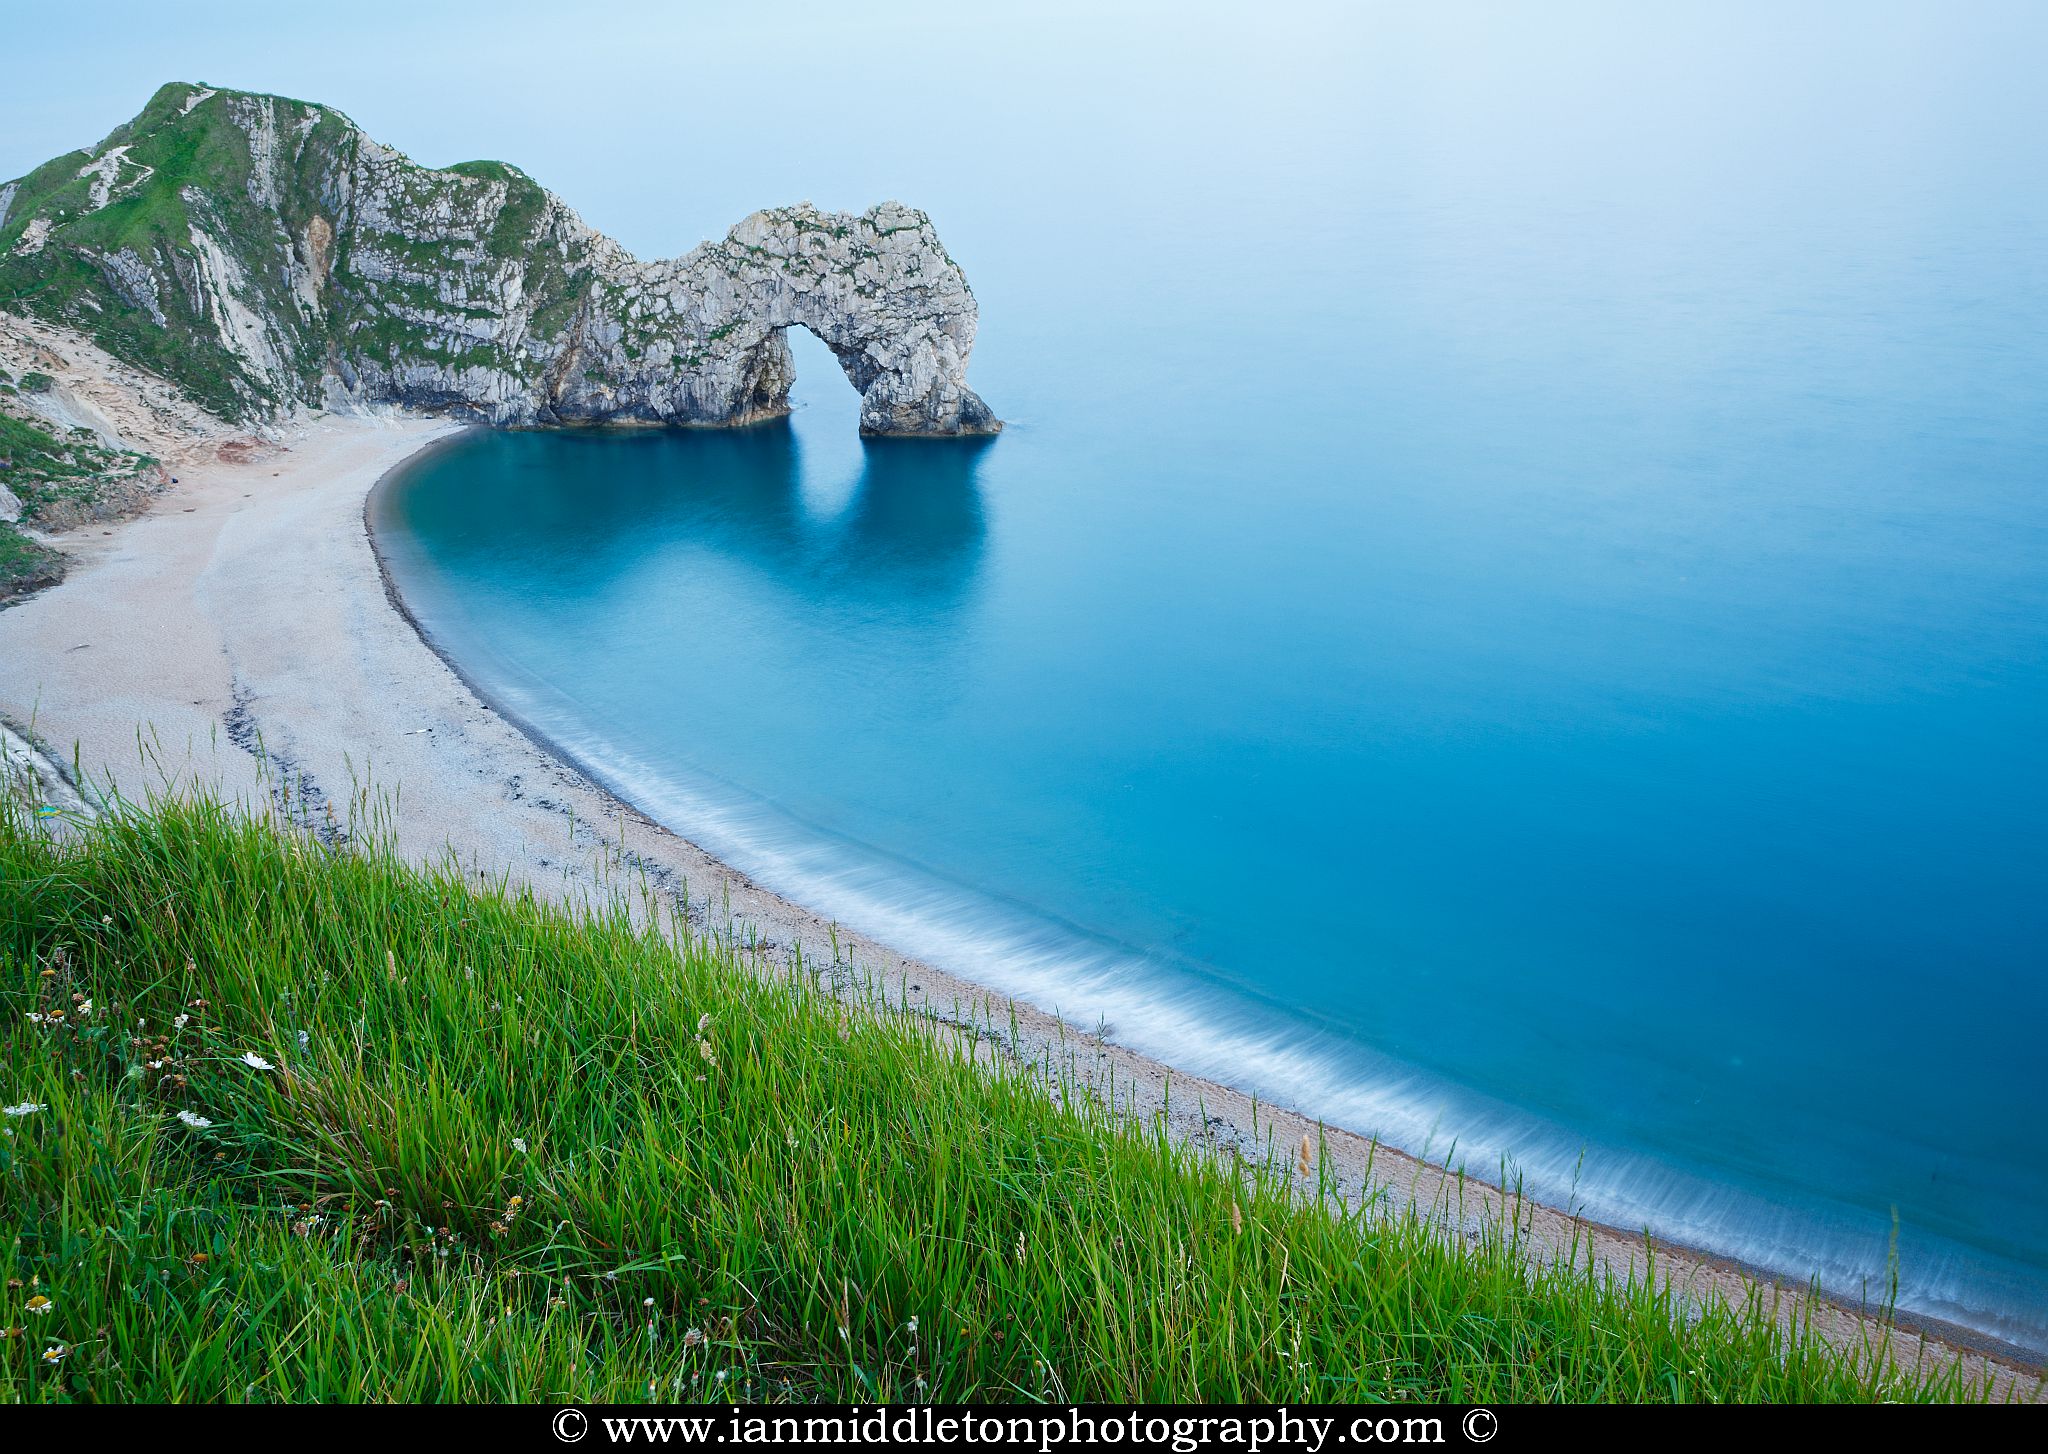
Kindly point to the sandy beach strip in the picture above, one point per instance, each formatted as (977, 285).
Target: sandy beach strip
(246, 617)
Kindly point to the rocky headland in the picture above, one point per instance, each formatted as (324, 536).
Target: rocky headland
(264, 255)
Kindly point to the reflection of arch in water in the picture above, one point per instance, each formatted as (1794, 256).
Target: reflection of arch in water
(737, 490)
(913, 526)
(584, 508)
(915, 523)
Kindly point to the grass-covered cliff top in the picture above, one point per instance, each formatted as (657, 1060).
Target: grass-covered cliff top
(184, 243)
(79, 245)
(263, 254)
(288, 1121)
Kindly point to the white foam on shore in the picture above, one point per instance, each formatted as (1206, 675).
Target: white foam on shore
(1172, 1015)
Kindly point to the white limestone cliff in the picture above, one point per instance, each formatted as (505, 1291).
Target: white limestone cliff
(289, 259)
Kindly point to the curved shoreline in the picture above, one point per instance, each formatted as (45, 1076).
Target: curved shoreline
(1150, 1066)
(496, 791)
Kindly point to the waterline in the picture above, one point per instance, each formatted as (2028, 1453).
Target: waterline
(1173, 1014)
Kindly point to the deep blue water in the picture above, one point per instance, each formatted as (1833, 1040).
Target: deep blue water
(1512, 612)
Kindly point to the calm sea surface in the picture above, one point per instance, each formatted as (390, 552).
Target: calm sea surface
(1512, 613)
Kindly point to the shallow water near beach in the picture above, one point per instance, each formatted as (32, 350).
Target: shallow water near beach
(1519, 629)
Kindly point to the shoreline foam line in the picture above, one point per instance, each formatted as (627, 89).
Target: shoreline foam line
(1063, 973)
(243, 630)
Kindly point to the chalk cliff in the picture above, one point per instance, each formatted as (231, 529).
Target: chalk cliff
(264, 254)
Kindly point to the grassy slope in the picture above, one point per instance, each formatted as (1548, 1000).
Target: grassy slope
(61, 282)
(40, 467)
(41, 470)
(797, 1184)
(25, 565)
(26, 452)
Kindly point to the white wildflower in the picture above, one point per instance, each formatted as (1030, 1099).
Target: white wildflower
(39, 1305)
(55, 1353)
(197, 1123)
(24, 1108)
(256, 1062)
(519, 1144)
(181, 1022)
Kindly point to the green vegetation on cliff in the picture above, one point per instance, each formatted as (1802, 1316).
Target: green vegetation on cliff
(290, 1120)
(25, 565)
(44, 469)
(198, 241)
(263, 253)
(57, 480)
(118, 258)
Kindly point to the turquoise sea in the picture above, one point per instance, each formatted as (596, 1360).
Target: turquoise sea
(1512, 610)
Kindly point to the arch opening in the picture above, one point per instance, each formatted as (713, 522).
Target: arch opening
(822, 378)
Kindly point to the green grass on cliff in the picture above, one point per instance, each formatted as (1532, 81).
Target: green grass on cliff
(297, 1122)
(59, 479)
(32, 454)
(28, 449)
(197, 155)
(192, 172)
(199, 174)
(25, 565)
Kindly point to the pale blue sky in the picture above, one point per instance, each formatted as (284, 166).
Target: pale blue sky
(666, 123)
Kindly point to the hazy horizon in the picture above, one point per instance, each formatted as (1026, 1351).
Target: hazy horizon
(664, 128)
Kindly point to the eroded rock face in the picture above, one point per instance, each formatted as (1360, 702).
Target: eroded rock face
(878, 288)
(702, 339)
(264, 253)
